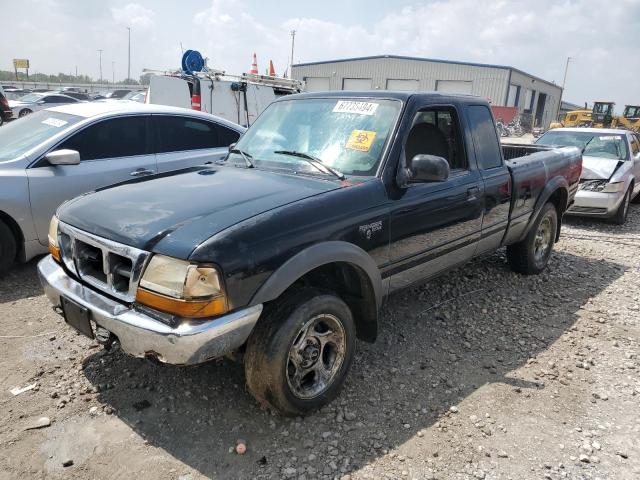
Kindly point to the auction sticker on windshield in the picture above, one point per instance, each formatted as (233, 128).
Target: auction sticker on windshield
(361, 108)
(54, 122)
(360, 140)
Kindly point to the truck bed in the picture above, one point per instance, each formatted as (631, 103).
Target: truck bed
(532, 167)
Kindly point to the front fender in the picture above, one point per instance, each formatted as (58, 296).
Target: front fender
(316, 256)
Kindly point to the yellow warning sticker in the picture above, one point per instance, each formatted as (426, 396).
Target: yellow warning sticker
(360, 140)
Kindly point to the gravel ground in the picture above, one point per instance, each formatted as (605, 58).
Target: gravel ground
(481, 374)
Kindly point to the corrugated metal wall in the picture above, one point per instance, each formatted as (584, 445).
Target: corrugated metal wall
(553, 93)
(488, 82)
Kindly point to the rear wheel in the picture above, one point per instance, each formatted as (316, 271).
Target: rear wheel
(300, 352)
(8, 248)
(620, 217)
(531, 255)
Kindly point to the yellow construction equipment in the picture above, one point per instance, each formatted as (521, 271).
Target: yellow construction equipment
(602, 114)
(574, 118)
(630, 118)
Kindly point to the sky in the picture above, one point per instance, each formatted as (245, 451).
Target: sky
(601, 38)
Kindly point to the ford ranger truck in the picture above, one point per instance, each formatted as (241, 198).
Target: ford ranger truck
(282, 254)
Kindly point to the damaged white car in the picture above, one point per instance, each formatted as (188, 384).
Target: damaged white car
(610, 170)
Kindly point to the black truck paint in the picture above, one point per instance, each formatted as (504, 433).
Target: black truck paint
(363, 237)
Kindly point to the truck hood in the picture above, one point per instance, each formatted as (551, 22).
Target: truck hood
(599, 168)
(172, 214)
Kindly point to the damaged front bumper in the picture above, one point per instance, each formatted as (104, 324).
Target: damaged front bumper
(596, 204)
(141, 335)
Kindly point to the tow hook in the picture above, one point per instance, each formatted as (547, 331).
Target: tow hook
(105, 338)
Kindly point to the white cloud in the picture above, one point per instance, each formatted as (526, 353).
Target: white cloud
(133, 15)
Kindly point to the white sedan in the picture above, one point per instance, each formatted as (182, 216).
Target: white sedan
(38, 101)
(610, 169)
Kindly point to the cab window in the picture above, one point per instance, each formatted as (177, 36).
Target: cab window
(436, 131)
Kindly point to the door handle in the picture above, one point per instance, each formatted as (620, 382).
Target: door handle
(472, 193)
(141, 172)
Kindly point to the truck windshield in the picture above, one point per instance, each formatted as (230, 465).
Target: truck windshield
(23, 134)
(604, 145)
(348, 135)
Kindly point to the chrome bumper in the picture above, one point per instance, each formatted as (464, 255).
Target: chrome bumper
(141, 335)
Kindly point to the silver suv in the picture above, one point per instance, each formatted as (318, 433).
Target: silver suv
(53, 155)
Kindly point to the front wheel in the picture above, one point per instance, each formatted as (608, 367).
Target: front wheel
(300, 352)
(531, 255)
(24, 112)
(620, 217)
(8, 248)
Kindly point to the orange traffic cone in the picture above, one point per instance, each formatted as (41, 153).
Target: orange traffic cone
(272, 70)
(254, 65)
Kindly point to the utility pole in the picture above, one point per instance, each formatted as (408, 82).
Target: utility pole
(129, 56)
(76, 71)
(293, 42)
(564, 79)
(566, 68)
(113, 72)
(100, 52)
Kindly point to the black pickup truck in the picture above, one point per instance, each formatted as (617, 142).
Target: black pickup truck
(283, 253)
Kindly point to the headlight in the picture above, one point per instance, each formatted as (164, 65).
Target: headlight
(181, 288)
(54, 248)
(613, 187)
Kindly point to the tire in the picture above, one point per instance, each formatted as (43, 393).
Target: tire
(24, 112)
(8, 248)
(283, 376)
(620, 217)
(531, 255)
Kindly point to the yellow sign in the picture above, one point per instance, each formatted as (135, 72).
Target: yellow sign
(21, 63)
(360, 140)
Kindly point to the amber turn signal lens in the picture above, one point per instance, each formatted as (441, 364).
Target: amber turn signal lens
(183, 308)
(55, 252)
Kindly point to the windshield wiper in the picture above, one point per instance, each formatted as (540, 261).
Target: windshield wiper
(244, 155)
(316, 162)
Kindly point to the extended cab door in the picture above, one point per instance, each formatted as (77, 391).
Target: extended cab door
(495, 176)
(111, 151)
(183, 141)
(435, 225)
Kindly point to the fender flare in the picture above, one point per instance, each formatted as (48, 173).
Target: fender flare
(313, 257)
(552, 186)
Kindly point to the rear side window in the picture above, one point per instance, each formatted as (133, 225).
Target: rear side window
(177, 134)
(485, 138)
(114, 138)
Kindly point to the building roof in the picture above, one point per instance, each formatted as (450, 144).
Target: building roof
(424, 59)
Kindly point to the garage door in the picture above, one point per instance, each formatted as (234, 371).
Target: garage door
(454, 86)
(356, 84)
(317, 84)
(401, 84)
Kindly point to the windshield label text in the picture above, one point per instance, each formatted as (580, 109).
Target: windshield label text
(360, 108)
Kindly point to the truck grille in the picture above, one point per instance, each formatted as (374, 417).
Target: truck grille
(109, 266)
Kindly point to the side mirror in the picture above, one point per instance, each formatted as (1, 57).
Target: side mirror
(232, 146)
(428, 168)
(63, 157)
(40, 102)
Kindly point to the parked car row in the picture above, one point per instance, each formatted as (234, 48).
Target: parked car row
(23, 102)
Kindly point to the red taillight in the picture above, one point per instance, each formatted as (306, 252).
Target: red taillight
(4, 102)
(195, 102)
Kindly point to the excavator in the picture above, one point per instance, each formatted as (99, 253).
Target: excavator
(630, 118)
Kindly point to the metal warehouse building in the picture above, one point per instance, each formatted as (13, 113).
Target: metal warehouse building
(537, 99)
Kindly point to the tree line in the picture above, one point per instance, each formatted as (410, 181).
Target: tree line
(7, 75)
